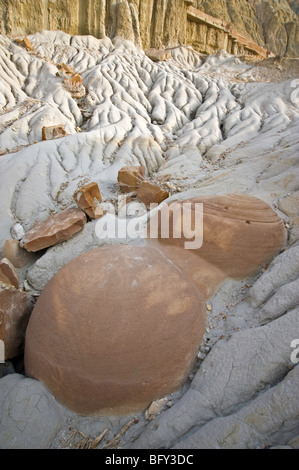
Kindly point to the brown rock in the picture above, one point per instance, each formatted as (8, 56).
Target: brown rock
(88, 198)
(240, 235)
(14, 316)
(66, 69)
(130, 177)
(53, 132)
(114, 330)
(149, 193)
(28, 44)
(158, 55)
(8, 274)
(56, 229)
(17, 255)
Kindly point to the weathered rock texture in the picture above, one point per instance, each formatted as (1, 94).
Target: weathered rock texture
(14, 316)
(158, 23)
(115, 312)
(240, 235)
(117, 309)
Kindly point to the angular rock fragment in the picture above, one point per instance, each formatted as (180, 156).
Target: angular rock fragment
(53, 132)
(149, 193)
(130, 178)
(56, 229)
(74, 85)
(17, 255)
(88, 198)
(8, 274)
(28, 44)
(157, 55)
(14, 316)
(138, 323)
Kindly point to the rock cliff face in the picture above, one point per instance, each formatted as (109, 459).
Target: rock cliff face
(158, 23)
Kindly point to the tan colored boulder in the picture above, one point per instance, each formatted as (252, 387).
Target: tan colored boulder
(158, 55)
(130, 177)
(17, 255)
(114, 330)
(56, 229)
(150, 193)
(14, 316)
(8, 273)
(240, 235)
(53, 132)
(88, 198)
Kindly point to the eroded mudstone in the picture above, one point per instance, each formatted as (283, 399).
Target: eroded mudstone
(14, 316)
(130, 177)
(8, 273)
(88, 198)
(56, 229)
(115, 329)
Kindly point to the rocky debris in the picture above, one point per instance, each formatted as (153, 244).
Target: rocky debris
(113, 347)
(130, 177)
(17, 255)
(53, 132)
(17, 232)
(35, 421)
(158, 55)
(56, 229)
(88, 198)
(150, 193)
(155, 408)
(8, 273)
(66, 71)
(14, 316)
(74, 84)
(26, 43)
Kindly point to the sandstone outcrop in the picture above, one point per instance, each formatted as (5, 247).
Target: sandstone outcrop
(154, 24)
(56, 229)
(118, 349)
(14, 316)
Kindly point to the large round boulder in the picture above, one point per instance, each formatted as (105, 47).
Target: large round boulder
(115, 329)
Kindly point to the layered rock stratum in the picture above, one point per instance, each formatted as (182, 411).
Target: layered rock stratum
(160, 23)
(201, 125)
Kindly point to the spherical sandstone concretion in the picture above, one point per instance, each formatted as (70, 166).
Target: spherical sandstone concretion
(115, 329)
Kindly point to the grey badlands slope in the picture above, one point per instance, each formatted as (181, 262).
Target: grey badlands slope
(206, 125)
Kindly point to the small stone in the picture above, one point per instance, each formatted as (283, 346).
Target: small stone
(155, 408)
(209, 307)
(8, 274)
(14, 317)
(157, 55)
(53, 132)
(56, 229)
(130, 178)
(28, 44)
(88, 198)
(17, 232)
(149, 193)
(17, 255)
